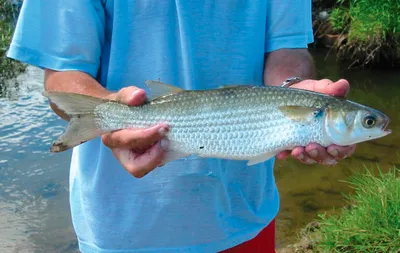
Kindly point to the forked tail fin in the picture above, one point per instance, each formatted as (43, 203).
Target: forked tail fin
(82, 125)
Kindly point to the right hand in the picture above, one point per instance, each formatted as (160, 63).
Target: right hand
(138, 150)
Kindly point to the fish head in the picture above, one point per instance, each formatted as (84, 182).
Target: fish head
(359, 124)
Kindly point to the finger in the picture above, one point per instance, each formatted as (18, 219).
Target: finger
(340, 88)
(140, 165)
(298, 154)
(301, 155)
(135, 139)
(283, 155)
(131, 95)
(320, 154)
(341, 152)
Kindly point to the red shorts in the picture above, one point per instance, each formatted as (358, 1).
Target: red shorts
(264, 242)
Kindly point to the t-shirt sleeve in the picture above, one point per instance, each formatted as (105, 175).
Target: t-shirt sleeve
(288, 24)
(60, 35)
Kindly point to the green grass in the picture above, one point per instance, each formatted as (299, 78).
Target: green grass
(372, 29)
(370, 222)
(367, 19)
(8, 68)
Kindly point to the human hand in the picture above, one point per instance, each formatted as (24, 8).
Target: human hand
(313, 152)
(138, 150)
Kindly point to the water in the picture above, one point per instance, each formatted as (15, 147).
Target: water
(34, 208)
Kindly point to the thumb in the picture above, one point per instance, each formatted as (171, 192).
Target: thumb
(339, 88)
(129, 95)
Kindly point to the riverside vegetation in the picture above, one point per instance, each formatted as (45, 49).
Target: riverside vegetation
(9, 68)
(370, 222)
(366, 32)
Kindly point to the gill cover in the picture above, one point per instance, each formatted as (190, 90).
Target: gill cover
(355, 126)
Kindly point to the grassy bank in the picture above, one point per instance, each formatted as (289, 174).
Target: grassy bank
(8, 68)
(369, 31)
(370, 222)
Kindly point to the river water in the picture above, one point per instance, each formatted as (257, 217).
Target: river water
(34, 208)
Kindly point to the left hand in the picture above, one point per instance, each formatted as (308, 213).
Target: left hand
(313, 152)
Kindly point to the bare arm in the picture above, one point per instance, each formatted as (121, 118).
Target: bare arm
(285, 63)
(72, 81)
(138, 150)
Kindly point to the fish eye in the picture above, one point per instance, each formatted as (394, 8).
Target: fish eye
(369, 121)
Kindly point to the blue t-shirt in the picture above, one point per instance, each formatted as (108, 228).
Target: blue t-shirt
(192, 204)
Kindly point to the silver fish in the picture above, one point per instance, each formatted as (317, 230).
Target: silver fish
(240, 122)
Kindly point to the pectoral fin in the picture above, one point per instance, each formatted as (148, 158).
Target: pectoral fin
(299, 113)
(158, 89)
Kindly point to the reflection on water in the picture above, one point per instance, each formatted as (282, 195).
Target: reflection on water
(34, 208)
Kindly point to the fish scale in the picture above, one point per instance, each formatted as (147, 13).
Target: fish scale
(210, 123)
(236, 122)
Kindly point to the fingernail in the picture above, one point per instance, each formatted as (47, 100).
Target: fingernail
(161, 165)
(334, 152)
(164, 143)
(310, 161)
(313, 153)
(136, 93)
(300, 157)
(330, 162)
(162, 131)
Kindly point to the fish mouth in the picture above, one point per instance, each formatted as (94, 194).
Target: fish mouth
(386, 131)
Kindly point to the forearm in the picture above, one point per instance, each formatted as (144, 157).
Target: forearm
(285, 63)
(72, 81)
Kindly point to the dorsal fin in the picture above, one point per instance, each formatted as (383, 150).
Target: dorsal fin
(235, 86)
(158, 89)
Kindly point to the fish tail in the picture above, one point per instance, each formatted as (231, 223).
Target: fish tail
(82, 125)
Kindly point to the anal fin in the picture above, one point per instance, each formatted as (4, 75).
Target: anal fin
(173, 155)
(174, 152)
(259, 159)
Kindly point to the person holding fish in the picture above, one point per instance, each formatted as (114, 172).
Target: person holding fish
(164, 159)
